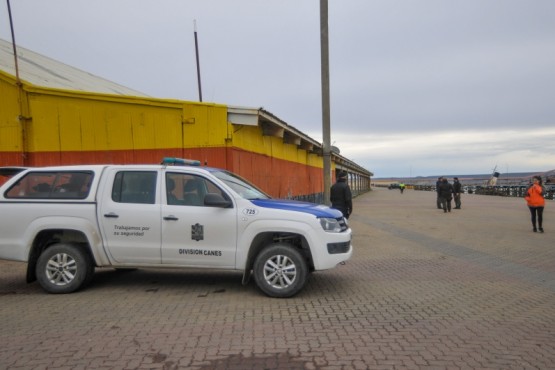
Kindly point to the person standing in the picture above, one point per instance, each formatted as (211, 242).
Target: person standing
(438, 200)
(536, 202)
(457, 190)
(402, 187)
(445, 195)
(340, 195)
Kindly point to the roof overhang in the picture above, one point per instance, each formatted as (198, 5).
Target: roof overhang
(272, 126)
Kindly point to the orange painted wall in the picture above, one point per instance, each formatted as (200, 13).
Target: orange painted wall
(142, 156)
(277, 177)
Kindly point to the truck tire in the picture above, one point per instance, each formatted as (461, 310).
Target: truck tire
(64, 268)
(280, 271)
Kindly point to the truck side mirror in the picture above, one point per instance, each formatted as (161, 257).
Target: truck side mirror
(216, 200)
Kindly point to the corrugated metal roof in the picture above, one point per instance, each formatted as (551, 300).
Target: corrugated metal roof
(42, 71)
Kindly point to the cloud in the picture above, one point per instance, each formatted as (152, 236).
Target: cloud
(449, 152)
(434, 86)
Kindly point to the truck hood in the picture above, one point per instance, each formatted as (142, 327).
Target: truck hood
(317, 210)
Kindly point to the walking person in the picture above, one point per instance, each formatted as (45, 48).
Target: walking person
(536, 202)
(340, 195)
(457, 190)
(445, 195)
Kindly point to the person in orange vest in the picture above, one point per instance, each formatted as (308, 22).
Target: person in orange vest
(536, 202)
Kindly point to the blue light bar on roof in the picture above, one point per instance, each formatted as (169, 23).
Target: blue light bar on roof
(172, 161)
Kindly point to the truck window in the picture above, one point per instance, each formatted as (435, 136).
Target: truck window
(134, 187)
(189, 190)
(52, 185)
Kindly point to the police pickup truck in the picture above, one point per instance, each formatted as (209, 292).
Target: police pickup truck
(64, 221)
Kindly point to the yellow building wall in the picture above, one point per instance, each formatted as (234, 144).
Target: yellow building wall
(71, 127)
(84, 124)
(11, 140)
(250, 138)
(205, 125)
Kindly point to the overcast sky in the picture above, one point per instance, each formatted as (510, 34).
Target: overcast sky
(418, 88)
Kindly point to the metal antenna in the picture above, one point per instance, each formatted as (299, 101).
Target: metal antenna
(198, 63)
(13, 44)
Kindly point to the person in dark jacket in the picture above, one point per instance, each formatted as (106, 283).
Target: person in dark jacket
(457, 190)
(438, 200)
(340, 195)
(445, 192)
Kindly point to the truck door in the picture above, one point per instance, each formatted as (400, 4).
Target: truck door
(129, 215)
(194, 234)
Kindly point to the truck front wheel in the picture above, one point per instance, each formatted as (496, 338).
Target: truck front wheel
(280, 271)
(64, 268)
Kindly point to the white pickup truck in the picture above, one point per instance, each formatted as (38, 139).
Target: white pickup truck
(64, 221)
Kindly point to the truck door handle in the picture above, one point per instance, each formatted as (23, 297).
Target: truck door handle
(111, 215)
(171, 218)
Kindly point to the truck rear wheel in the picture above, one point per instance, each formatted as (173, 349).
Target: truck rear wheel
(280, 271)
(64, 268)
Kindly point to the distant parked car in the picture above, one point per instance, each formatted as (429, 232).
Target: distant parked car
(393, 186)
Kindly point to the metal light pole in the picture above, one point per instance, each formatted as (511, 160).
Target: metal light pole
(325, 66)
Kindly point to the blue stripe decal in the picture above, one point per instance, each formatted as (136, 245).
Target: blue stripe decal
(317, 210)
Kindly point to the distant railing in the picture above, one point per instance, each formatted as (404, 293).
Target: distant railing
(503, 191)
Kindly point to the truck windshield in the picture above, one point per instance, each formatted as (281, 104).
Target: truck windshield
(240, 185)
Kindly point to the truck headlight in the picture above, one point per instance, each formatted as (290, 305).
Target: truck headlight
(331, 225)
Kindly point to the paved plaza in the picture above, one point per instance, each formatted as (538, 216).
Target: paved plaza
(470, 289)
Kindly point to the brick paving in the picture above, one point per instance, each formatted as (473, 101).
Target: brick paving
(470, 289)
